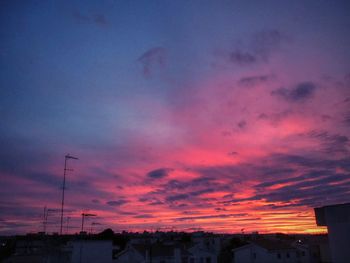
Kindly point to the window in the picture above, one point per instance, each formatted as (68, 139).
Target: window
(208, 260)
(254, 255)
(303, 253)
(191, 260)
(278, 255)
(288, 256)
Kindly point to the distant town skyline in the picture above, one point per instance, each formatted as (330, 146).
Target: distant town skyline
(222, 116)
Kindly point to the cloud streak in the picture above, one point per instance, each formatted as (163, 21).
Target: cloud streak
(300, 93)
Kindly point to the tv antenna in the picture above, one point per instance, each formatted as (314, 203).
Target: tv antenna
(64, 184)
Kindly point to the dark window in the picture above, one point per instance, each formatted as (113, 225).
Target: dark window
(254, 255)
(288, 256)
(278, 255)
(208, 260)
(303, 253)
(191, 260)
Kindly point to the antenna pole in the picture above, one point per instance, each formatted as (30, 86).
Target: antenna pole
(44, 220)
(63, 187)
(82, 222)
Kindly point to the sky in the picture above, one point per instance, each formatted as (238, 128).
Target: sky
(223, 116)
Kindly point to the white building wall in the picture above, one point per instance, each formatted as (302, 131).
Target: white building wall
(337, 220)
(92, 251)
(243, 255)
(129, 257)
(255, 254)
(339, 241)
(200, 255)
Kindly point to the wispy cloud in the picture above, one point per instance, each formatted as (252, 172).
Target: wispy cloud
(153, 60)
(259, 48)
(117, 203)
(97, 19)
(300, 93)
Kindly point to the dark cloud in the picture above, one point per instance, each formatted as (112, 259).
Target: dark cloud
(239, 200)
(226, 133)
(117, 203)
(127, 213)
(255, 80)
(191, 191)
(236, 174)
(159, 173)
(297, 180)
(268, 41)
(319, 185)
(301, 92)
(258, 49)
(242, 58)
(150, 200)
(275, 118)
(18, 155)
(202, 191)
(31, 162)
(347, 79)
(156, 203)
(220, 209)
(199, 182)
(176, 197)
(10, 209)
(143, 199)
(100, 19)
(242, 124)
(174, 184)
(209, 216)
(312, 162)
(205, 181)
(310, 175)
(325, 117)
(248, 219)
(144, 216)
(318, 192)
(263, 116)
(331, 143)
(97, 19)
(347, 119)
(80, 17)
(152, 60)
(5, 224)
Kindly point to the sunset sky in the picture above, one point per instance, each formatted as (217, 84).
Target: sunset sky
(185, 115)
